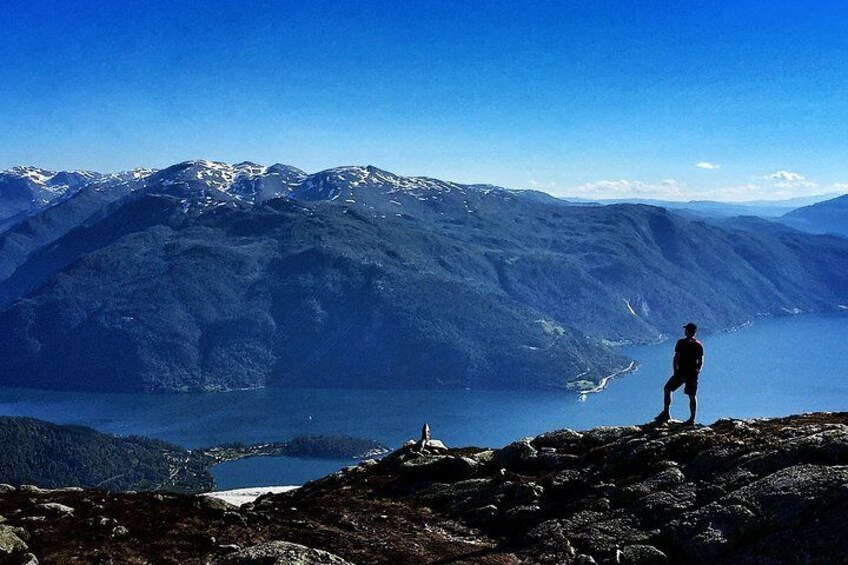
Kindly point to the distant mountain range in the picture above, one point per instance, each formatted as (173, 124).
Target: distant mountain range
(830, 216)
(25, 191)
(713, 208)
(209, 276)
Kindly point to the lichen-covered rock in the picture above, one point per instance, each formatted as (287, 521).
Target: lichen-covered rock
(563, 441)
(642, 555)
(214, 505)
(517, 456)
(281, 553)
(10, 543)
(102, 522)
(775, 502)
(31, 488)
(51, 510)
(443, 468)
(550, 543)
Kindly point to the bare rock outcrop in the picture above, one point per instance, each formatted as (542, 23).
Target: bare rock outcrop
(764, 492)
(281, 553)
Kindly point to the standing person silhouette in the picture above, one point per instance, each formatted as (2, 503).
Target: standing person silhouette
(688, 362)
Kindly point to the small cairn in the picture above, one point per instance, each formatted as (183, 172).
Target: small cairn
(426, 445)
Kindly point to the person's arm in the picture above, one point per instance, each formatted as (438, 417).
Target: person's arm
(701, 361)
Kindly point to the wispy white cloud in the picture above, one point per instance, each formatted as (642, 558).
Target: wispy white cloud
(786, 176)
(671, 189)
(707, 165)
(791, 181)
(625, 188)
(781, 184)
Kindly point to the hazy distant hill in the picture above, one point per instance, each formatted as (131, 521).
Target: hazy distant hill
(715, 209)
(209, 276)
(830, 216)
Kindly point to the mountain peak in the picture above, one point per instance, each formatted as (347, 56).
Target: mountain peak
(137, 173)
(36, 175)
(27, 189)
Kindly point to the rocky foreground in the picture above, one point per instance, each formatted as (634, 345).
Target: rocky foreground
(753, 491)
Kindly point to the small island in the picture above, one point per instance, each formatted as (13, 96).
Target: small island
(50, 455)
(315, 447)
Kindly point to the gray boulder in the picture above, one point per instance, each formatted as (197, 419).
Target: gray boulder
(52, 510)
(10, 543)
(517, 456)
(551, 543)
(281, 553)
(564, 441)
(31, 488)
(642, 555)
(443, 468)
(778, 501)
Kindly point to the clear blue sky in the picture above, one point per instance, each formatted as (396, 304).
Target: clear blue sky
(594, 98)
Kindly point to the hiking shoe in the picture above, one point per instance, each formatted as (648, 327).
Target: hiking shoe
(662, 417)
(689, 422)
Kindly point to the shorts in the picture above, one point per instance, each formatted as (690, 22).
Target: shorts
(689, 379)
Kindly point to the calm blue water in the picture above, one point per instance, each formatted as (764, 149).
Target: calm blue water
(771, 368)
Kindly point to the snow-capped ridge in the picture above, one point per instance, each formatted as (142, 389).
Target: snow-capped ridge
(206, 183)
(369, 175)
(36, 175)
(137, 173)
(47, 179)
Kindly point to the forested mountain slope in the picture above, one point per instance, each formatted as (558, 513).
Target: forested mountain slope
(355, 277)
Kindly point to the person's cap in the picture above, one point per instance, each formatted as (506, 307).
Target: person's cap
(691, 326)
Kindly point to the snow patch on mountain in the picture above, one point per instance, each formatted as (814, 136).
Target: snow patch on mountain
(33, 174)
(203, 184)
(51, 181)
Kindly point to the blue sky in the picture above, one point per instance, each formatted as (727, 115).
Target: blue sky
(577, 98)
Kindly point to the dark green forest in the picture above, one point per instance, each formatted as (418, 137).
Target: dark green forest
(50, 456)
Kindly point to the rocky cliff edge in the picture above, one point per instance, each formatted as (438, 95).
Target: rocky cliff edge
(764, 491)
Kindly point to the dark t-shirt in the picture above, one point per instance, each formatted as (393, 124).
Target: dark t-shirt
(689, 352)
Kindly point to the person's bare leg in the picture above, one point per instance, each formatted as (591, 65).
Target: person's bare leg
(693, 407)
(665, 414)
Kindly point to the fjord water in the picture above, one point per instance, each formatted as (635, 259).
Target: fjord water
(773, 367)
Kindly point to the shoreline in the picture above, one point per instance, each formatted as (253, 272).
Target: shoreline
(602, 384)
(838, 310)
(244, 495)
